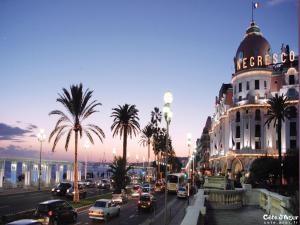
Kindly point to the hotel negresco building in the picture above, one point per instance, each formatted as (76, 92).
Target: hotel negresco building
(238, 133)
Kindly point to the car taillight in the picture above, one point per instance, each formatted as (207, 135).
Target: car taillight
(139, 202)
(50, 213)
(148, 203)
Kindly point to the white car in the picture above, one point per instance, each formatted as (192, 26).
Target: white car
(120, 198)
(103, 209)
(182, 193)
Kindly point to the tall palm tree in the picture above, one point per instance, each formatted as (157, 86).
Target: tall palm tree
(79, 107)
(156, 116)
(147, 134)
(125, 123)
(277, 113)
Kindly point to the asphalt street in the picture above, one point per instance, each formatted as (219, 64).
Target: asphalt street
(131, 216)
(24, 201)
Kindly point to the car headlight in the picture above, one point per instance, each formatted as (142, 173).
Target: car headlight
(68, 191)
(53, 189)
(58, 190)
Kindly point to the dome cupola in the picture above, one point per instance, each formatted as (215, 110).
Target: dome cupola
(253, 51)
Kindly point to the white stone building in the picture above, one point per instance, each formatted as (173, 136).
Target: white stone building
(238, 134)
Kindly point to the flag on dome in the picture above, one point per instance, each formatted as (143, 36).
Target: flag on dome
(256, 5)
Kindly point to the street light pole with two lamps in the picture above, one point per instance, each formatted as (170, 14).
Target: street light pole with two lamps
(168, 99)
(41, 138)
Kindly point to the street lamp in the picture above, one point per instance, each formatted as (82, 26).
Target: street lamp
(86, 146)
(189, 142)
(168, 114)
(41, 138)
(114, 151)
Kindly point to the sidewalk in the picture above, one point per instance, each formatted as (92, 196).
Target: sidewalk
(248, 215)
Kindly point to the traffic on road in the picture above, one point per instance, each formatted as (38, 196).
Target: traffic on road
(136, 204)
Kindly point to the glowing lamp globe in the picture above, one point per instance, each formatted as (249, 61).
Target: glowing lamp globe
(168, 97)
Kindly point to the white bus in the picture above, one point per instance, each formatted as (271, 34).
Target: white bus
(175, 181)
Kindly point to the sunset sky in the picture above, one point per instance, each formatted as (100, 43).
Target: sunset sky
(127, 51)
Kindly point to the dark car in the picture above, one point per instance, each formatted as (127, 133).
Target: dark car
(54, 212)
(25, 222)
(61, 188)
(104, 184)
(89, 183)
(146, 201)
(70, 192)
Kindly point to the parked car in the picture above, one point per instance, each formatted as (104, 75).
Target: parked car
(104, 184)
(61, 188)
(55, 212)
(25, 222)
(136, 191)
(103, 209)
(82, 192)
(146, 201)
(119, 198)
(182, 192)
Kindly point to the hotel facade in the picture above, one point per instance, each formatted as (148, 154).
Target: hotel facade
(238, 133)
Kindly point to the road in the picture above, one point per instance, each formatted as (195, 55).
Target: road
(24, 201)
(130, 215)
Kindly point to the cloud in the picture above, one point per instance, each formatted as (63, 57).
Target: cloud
(8, 132)
(16, 151)
(31, 126)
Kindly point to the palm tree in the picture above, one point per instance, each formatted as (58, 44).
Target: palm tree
(277, 112)
(156, 117)
(147, 134)
(119, 173)
(79, 106)
(125, 123)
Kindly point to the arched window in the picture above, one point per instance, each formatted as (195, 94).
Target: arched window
(257, 114)
(291, 79)
(238, 116)
(292, 93)
(241, 55)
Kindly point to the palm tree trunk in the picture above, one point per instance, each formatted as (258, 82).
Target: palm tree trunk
(149, 160)
(279, 152)
(76, 195)
(124, 152)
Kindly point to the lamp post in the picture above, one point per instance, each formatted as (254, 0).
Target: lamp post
(41, 138)
(114, 152)
(194, 158)
(189, 142)
(86, 146)
(168, 99)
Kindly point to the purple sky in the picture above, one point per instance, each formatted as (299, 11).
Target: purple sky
(127, 52)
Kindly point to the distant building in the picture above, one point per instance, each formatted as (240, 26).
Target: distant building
(203, 146)
(238, 134)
